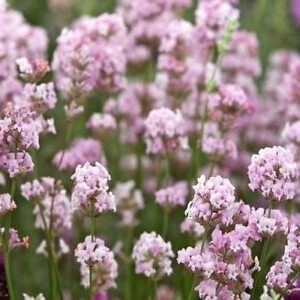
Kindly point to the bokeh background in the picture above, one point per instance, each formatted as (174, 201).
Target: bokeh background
(276, 28)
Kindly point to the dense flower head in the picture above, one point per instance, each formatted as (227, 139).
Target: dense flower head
(129, 201)
(229, 103)
(177, 38)
(51, 200)
(292, 80)
(192, 228)
(16, 163)
(213, 202)
(26, 41)
(91, 191)
(263, 223)
(152, 256)
(273, 172)
(19, 132)
(222, 261)
(34, 70)
(291, 133)
(80, 151)
(41, 97)
(171, 196)
(242, 55)
(164, 131)
(281, 274)
(90, 56)
(216, 146)
(14, 239)
(93, 253)
(212, 17)
(101, 124)
(7, 204)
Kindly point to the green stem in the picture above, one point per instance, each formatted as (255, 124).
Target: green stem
(67, 140)
(192, 289)
(166, 223)
(6, 249)
(54, 277)
(154, 289)
(128, 264)
(139, 173)
(262, 260)
(91, 267)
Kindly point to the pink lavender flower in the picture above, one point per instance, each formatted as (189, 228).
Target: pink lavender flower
(90, 56)
(81, 150)
(26, 41)
(93, 253)
(164, 131)
(266, 224)
(242, 55)
(213, 202)
(217, 147)
(212, 17)
(291, 133)
(7, 204)
(32, 71)
(228, 104)
(273, 172)
(152, 256)
(223, 262)
(291, 81)
(91, 192)
(128, 202)
(295, 6)
(40, 97)
(51, 203)
(172, 196)
(165, 292)
(192, 228)
(14, 239)
(16, 163)
(101, 124)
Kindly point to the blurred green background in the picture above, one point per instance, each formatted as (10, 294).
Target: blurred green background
(274, 25)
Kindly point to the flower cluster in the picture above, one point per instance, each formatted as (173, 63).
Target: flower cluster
(91, 192)
(26, 41)
(281, 274)
(7, 204)
(228, 104)
(273, 172)
(213, 202)
(225, 264)
(128, 202)
(164, 131)
(94, 254)
(212, 19)
(172, 196)
(101, 124)
(90, 56)
(152, 256)
(52, 206)
(80, 151)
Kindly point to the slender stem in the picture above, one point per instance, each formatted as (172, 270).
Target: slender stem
(167, 169)
(91, 267)
(166, 223)
(154, 289)
(139, 172)
(192, 289)
(6, 249)
(128, 264)
(54, 276)
(262, 260)
(67, 140)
